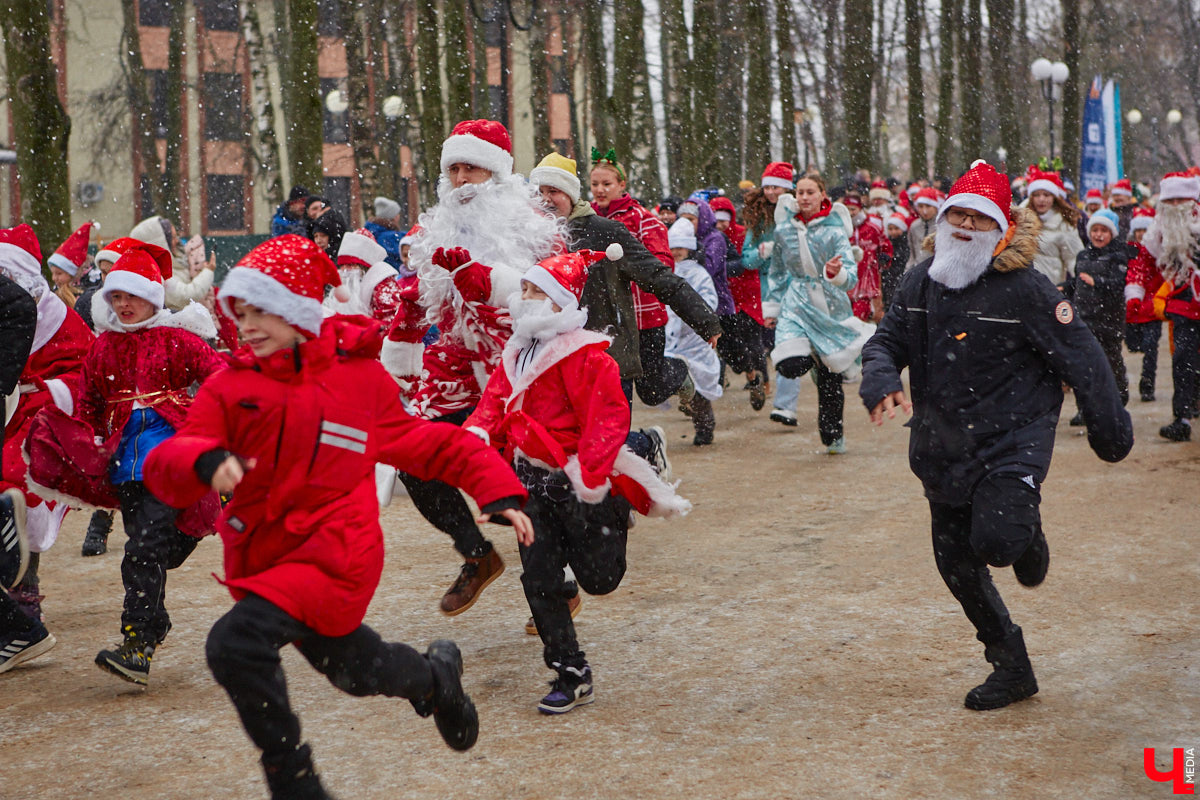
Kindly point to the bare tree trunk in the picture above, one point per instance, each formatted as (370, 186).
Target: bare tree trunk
(627, 30)
(787, 92)
(361, 115)
(676, 92)
(757, 121)
(943, 154)
(433, 126)
(41, 126)
(1000, 39)
(596, 73)
(971, 122)
(539, 80)
(729, 78)
(705, 141)
(172, 174)
(918, 149)
(304, 122)
(459, 103)
(858, 76)
(1072, 110)
(262, 145)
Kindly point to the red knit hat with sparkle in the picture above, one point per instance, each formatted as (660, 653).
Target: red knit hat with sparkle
(71, 254)
(481, 143)
(1040, 180)
(1122, 186)
(20, 253)
(285, 276)
(779, 173)
(563, 277)
(982, 189)
(141, 272)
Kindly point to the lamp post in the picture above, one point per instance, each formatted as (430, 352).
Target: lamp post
(1051, 77)
(1002, 157)
(392, 109)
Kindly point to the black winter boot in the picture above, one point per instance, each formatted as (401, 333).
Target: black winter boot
(1011, 679)
(453, 711)
(703, 421)
(95, 541)
(291, 776)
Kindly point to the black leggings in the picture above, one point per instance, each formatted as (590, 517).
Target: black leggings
(741, 344)
(661, 376)
(831, 397)
(1142, 337)
(1185, 365)
(243, 654)
(995, 528)
(154, 546)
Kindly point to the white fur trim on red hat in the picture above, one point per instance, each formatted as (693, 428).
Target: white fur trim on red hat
(359, 251)
(1043, 185)
(1140, 222)
(771, 180)
(975, 202)
(123, 280)
(469, 149)
(540, 277)
(1178, 187)
(262, 291)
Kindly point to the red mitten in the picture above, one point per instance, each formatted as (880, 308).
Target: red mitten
(1131, 307)
(451, 259)
(409, 323)
(474, 283)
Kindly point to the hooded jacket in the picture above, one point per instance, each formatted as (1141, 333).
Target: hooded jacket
(714, 247)
(986, 368)
(302, 530)
(745, 287)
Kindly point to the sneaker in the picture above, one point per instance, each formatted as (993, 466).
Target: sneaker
(453, 712)
(658, 452)
(29, 601)
(474, 577)
(784, 417)
(21, 646)
(573, 605)
(572, 687)
(1033, 564)
(14, 546)
(95, 541)
(838, 447)
(1178, 431)
(1077, 420)
(130, 659)
(758, 393)
(686, 392)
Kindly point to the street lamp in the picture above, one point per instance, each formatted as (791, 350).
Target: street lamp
(337, 102)
(1002, 157)
(393, 108)
(1052, 77)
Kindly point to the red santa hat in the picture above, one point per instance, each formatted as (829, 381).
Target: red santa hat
(71, 254)
(562, 277)
(140, 271)
(879, 191)
(1141, 219)
(411, 236)
(480, 143)
(982, 189)
(779, 173)
(285, 276)
(117, 248)
(1093, 196)
(1179, 186)
(928, 197)
(1122, 187)
(359, 249)
(1040, 181)
(20, 253)
(852, 200)
(899, 220)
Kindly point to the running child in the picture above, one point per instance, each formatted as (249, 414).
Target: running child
(685, 344)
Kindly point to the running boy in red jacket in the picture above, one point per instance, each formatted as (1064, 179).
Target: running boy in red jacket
(555, 407)
(293, 429)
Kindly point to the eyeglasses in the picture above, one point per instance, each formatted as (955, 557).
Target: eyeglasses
(980, 222)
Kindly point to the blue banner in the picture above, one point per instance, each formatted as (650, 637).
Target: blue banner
(1093, 171)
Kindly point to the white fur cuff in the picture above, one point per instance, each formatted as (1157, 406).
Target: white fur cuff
(402, 359)
(841, 277)
(771, 310)
(1134, 291)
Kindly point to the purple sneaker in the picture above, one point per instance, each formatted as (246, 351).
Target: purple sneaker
(572, 687)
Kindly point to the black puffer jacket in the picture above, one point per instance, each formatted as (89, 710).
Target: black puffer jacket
(607, 295)
(1101, 306)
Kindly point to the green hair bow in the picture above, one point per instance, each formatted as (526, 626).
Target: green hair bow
(608, 159)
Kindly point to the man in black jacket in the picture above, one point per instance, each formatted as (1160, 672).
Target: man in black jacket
(988, 343)
(21, 638)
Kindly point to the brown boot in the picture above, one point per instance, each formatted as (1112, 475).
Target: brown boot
(476, 574)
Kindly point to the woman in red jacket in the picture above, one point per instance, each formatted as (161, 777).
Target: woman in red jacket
(293, 430)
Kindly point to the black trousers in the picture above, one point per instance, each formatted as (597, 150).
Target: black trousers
(994, 528)
(1185, 366)
(444, 506)
(741, 344)
(154, 546)
(1111, 343)
(1142, 337)
(243, 654)
(831, 397)
(589, 537)
(661, 376)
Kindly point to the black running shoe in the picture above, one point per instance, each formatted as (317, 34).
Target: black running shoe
(1178, 431)
(572, 687)
(453, 711)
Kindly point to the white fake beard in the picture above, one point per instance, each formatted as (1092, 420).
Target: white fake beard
(35, 286)
(1171, 239)
(958, 263)
(536, 320)
(500, 222)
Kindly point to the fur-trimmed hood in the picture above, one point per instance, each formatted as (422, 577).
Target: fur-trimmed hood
(1021, 249)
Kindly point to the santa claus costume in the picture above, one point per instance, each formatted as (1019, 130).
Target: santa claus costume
(470, 254)
(135, 391)
(50, 378)
(1142, 328)
(555, 406)
(303, 547)
(869, 237)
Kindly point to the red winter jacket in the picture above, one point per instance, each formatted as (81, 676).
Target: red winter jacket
(649, 230)
(302, 530)
(746, 286)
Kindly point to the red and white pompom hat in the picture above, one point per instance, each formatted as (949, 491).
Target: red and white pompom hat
(1179, 186)
(1093, 196)
(481, 143)
(359, 249)
(1045, 182)
(982, 189)
(562, 277)
(927, 197)
(285, 276)
(140, 271)
(779, 173)
(1122, 187)
(71, 254)
(1141, 219)
(20, 253)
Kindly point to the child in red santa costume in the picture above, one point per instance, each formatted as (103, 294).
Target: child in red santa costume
(556, 408)
(135, 392)
(379, 290)
(50, 377)
(293, 430)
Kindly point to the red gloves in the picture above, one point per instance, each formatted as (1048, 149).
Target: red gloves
(451, 259)
(473, 282)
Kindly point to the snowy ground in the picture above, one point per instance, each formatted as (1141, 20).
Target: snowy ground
(790, 638)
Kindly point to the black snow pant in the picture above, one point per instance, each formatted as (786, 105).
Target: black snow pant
(154, 546)
(1185, 366)
(1111, 343)
(994, 528)
(444, 506)
(589, 537)
(740, 345)
(831, 397)
(243, 654)
(661, 376)
(1142, 337)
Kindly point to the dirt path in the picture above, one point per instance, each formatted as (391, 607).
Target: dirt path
(790, 638)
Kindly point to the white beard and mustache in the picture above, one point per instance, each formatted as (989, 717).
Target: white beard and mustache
(1171, 240)
(958, 263)
(499, 222)
(536, 320)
